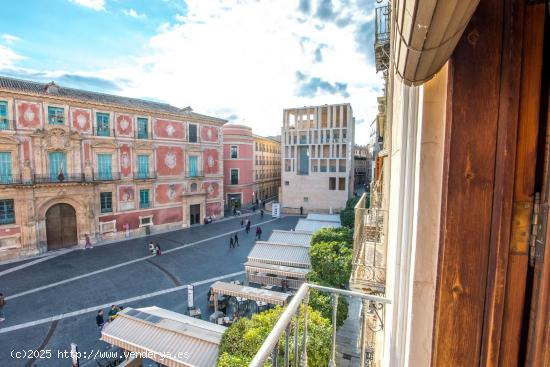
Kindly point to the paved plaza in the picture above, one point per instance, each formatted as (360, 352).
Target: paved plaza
(52, 301)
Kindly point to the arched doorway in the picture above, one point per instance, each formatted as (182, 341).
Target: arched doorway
(61, 226)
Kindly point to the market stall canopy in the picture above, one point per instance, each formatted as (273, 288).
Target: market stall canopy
(427, 32)
(165, 337)
(308, 225)
(280, 254)
(324, 217)
(250, 293)
(285, 271)
(291, 237)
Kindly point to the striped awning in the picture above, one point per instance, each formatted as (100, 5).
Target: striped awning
(280, 254)
(291, 237)
(285, 271)
(165, 337)
(308, 225)
(250, 293)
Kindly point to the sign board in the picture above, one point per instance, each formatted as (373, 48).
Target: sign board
(276, 210)
(190, 296)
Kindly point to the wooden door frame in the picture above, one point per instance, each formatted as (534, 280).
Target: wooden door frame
(479, 301)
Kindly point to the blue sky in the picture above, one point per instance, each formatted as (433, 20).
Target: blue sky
(243, 60)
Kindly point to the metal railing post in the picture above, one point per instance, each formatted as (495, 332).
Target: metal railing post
(287, 336)
(274, 355)
(303, 358)
(364, 310)
(334, 314)
(296, 329)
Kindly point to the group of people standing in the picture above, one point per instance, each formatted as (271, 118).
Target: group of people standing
(234, 239)
(154, 248)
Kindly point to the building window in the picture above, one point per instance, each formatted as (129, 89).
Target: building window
(194, 187)
(192, 133)
(306, 199)
(234, 177)
(143, 166)
(5, 168)
(145, 221)
(58, 165)
(341, 183)
(142, 128)
(102, 124)
(104, 166)
(287, 183)
(144, 199)
(193, 166)
(234, 152)
(303, 160)
(332, 183)
(56, 116)
(4, 123)
(7, 214)
(106, 201)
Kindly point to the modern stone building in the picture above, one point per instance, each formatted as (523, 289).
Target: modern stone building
(74, 162)
(238, 153)
(267, 167)
(317, 157)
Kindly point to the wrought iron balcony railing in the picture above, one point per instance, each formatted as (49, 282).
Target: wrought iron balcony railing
(191, 174)
(369, 253)
(6, 124)
(12, 180)
(382, 37)
(372, 319)
(106, 176)
(145, 175)
(72, 177)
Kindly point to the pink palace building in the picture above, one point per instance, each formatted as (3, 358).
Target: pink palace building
(238, 154)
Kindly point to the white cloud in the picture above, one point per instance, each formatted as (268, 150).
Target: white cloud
(8, 57)
(132, 13)
(8, 38)
(91, 4)
(243, 60)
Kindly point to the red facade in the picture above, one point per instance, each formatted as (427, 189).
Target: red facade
(169, 161)
(169, 129)
(209, 134)
(211, 161)
(28, 115)
(81, 120)
(212, 189)
(168, 193)
(124, 125)
(160, 216)
(213, 209)
(125, 160)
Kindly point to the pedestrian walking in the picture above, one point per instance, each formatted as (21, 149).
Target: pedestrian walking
(247, 226)
(113, 312)
(301, 210)
(231, 242)
(261, 213)
(151, 248)
(254, 208)
(242, 223)
(256, 201)
(236, 242)
(157, 249)
(258, 233)
(2, 304)
(88, 243)
(99, 320)
(263, 204)
(234, 211)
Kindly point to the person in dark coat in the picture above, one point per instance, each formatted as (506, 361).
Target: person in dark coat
(236, 243)
(157, 249)
(99, 319)
(258, 233)
(242, 223)
(247, 226)
(231, 243)
(261, 213)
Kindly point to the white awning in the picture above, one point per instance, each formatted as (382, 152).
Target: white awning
(324, 217)
(426, 34)
(311, 226)
(291, 237)
(166, 337)
(280, 254)
(285, 271)
(250, 293)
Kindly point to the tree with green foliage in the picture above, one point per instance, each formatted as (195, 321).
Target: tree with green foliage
(242, 340)
(322, 302)
(330, 264)
(347, 216)
(342, 234)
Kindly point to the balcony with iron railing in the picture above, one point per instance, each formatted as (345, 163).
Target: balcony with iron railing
(289, 340)
(148, 175)
(194, 174)
(59, 178)
(382, 37)
(105, 176)
(6, 124)
(369, 253)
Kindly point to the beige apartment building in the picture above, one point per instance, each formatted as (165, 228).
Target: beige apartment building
(267, 167)
(317, 157)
